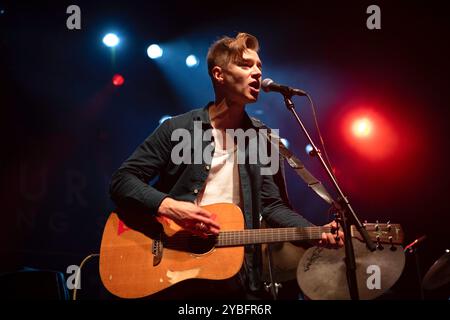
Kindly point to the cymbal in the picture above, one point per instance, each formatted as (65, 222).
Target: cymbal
(321, 273)
(438, 274)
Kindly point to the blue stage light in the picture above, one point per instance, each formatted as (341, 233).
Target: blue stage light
(111, 40)
(192, 61)
(154, 51)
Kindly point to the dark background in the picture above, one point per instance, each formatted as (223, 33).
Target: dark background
(65, 128)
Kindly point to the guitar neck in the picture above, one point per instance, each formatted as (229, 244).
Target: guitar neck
(269, 235)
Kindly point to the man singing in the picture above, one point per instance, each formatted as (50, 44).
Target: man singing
(235, 70)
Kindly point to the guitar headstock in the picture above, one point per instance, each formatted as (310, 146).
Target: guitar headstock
(381, 232)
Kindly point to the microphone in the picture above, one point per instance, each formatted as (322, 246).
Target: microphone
(269, 85)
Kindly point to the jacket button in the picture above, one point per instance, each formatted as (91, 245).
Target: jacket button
(195, 191)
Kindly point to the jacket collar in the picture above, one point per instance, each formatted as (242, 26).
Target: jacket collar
(203, 116)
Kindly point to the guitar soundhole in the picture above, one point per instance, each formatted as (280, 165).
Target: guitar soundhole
(187, 242)
(198, 245)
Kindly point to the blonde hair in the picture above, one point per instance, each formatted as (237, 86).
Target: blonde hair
(226, 50)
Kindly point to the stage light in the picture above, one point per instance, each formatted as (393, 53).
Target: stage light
(154, 51)
(362, 127)
(111, 40)
(118, 80)
(370, 133)
(192, 61)
(285, 142)
(308, 148)
(164, 118)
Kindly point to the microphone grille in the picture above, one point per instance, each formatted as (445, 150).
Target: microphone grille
(266, 83)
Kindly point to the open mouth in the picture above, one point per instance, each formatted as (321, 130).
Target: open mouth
(254, 85)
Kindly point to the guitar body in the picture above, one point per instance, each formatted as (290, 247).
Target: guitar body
(131, 268)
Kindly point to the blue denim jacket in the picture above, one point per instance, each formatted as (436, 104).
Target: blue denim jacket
(262, 195)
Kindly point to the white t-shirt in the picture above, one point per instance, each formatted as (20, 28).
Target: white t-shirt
(223, 183)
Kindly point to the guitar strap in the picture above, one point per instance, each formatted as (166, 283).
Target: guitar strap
(296, 164)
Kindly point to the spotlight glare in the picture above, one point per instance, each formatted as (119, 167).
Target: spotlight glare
(362, 128)
(154, 51)
(192, 61)
(308, 148)
(285, 142)
(111, 40)
(118, 80)
(164, 118)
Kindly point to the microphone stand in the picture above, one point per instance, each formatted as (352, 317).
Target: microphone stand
(412, 248)
(346, 212)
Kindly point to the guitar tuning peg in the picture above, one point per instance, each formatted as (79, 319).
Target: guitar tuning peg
(379, 245)
(376, 225)
(393, 248)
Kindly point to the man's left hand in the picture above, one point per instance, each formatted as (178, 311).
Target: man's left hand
(329, 239)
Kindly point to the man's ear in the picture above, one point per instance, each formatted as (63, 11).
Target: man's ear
(217, 74)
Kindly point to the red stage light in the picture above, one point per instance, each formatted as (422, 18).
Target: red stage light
(118, 80)
(362, 127)
(369, 133)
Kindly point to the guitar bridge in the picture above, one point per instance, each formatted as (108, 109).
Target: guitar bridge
(157, 250)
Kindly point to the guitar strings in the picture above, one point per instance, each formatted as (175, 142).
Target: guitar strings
(251, 236)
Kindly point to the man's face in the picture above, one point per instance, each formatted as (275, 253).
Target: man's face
(242, 78)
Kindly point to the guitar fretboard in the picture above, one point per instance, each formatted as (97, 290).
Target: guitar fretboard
(256, 236)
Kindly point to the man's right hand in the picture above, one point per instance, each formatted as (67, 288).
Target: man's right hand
(189, 217)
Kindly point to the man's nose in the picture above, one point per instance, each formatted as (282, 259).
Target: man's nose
(256, 73)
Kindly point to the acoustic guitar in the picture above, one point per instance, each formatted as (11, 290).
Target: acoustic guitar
(141, 255)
